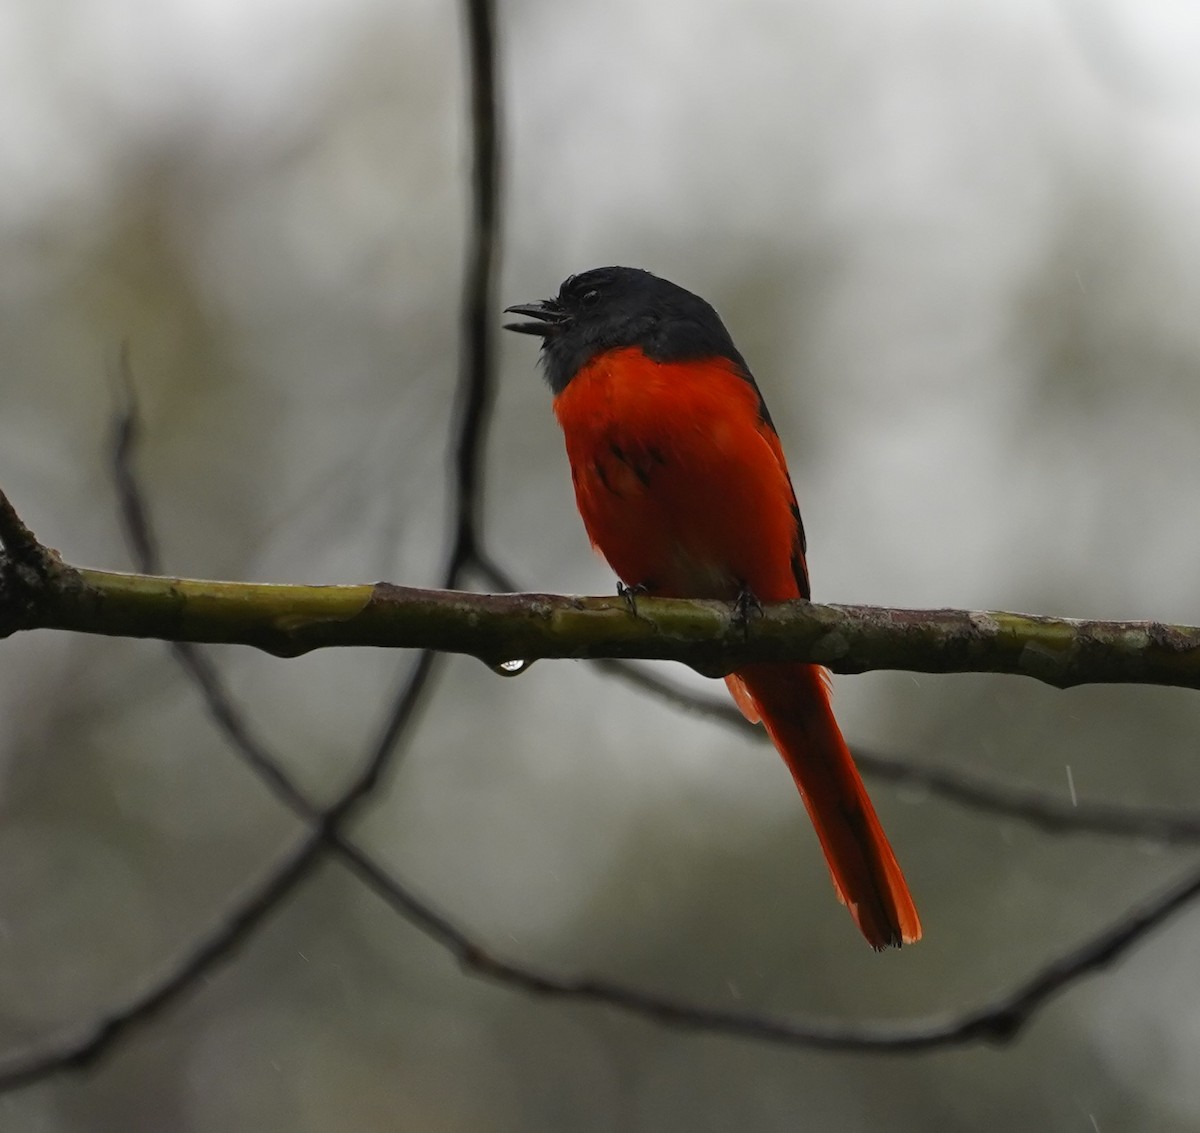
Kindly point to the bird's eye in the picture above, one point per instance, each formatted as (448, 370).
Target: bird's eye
(589, 298)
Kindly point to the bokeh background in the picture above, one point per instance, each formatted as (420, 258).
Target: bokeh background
(960, 247)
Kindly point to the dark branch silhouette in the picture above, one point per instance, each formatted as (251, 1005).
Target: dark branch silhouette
(26, 565)
(23, 553)
(1039, 809)
(998, 1020)
(476, 384)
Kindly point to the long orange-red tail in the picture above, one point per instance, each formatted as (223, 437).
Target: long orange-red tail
(793, 703)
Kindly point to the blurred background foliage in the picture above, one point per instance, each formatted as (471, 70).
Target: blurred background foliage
(958, 245)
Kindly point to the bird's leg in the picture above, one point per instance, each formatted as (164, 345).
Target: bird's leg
(630, 595)
(744, 605)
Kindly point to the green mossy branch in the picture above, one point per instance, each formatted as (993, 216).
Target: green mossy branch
(288, 620)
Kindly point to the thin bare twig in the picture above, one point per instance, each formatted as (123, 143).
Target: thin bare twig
(476, 385)
(998, 1020)
(16, 540)
(236, 924)
(127, 432)
(143, 546)
(1054, 814)
(230, 930)
(1026, 804)
(473, 401)
(1040, 809)
(475, 391)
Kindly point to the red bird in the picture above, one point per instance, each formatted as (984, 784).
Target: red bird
(682, 485)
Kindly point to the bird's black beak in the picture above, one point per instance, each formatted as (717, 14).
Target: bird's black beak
(547, 311)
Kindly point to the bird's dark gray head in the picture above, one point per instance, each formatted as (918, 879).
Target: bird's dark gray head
(613, 308)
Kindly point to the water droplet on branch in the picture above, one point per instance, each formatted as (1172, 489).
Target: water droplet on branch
(510, 668)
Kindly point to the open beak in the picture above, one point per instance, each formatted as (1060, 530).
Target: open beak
(546, 311)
